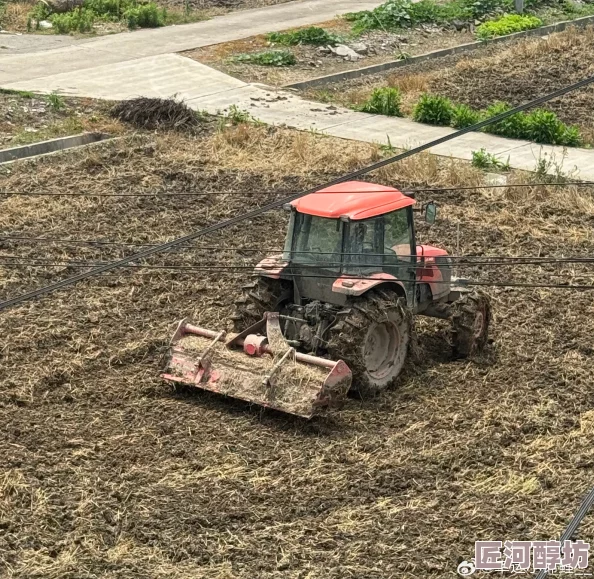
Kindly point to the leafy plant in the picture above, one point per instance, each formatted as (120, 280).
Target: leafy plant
(433, 110)
(545, 127)
(513, 127)
(463, 116)
(79, 20)
(268, 58)
(484, 160)
(109, 9)
(55, 101)
(383, 101)
(238, 116)
(312, 35)
(145, 16)
(392, 14)
(507, 24)
(41, 11)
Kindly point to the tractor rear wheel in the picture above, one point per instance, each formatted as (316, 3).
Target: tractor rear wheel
(262, 295)
(470, 324)
(373, 337)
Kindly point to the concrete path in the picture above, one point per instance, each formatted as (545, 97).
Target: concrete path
(207, 89)
(117, 48)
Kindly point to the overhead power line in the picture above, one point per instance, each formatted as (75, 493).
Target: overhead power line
(271, 193)
(238, 270)
(280, 202)
(25, 261)
(573, 525)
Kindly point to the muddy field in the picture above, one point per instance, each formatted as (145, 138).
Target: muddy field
(514, 73)
(108, 472)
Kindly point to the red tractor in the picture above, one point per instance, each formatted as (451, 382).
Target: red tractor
(335, 310)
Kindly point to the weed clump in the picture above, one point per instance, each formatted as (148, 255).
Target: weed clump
(540, 126)
(395, 14)
(80, 20)
(267, 58)
(154, 113)
(513, 127)
(145, 16)
(313, 35)
(507, 24)
(434, 110)
(481, 159)
(383, 101)
(463, 116)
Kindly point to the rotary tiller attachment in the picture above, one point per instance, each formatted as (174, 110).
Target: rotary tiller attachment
(262, 369)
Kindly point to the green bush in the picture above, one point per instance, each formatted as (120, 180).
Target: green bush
(80, 20)
(268, 58)
(312, 35)
(383, 101)
(507, 24)
(394, 14)
(433, 110)
(545, 127)
(513, 127)
(463, 116)
(109, 9)
(145, 16)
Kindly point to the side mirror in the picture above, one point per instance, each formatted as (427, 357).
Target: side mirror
(430, 212)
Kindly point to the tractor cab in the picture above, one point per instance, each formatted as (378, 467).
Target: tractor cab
(351, 231)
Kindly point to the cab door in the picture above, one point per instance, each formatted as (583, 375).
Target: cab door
(399, 258)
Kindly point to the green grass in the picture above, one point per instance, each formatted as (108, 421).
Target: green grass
(540, 126)
(131, 13)
(267, 58)
(507, 24)
(383, 101)
(434, 110)
(68, 126)
(398, 14)
(481, 159)
(313, 35)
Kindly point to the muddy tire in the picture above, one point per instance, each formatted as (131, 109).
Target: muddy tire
(373, 337)
(262, 295)
(470, 324)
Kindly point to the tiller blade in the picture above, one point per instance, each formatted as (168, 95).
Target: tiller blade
(262, 369)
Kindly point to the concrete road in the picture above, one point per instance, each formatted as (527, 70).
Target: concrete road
(126, 46)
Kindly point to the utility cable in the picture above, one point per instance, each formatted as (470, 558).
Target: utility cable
(573, 525)
(270, 193)
(44, 290)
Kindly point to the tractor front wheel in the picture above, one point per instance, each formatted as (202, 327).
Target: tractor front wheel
(262, 295)
(373, 337)
(470, 324)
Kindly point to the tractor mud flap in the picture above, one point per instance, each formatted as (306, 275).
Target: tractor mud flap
(257, 368)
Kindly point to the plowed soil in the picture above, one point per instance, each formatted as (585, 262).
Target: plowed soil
(109, 472)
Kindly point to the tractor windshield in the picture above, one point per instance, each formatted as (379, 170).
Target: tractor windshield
(316, 240)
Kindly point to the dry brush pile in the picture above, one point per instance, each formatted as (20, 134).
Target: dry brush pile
(108, 472)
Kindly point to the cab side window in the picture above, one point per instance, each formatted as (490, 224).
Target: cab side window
(397, 237)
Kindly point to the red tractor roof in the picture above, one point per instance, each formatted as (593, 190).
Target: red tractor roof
(354, 199)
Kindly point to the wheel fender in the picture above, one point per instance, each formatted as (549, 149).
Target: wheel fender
(357, 287)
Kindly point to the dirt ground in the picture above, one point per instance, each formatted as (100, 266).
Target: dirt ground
(382, 46)
(27, 118)
(108, 472)
(514, 73)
